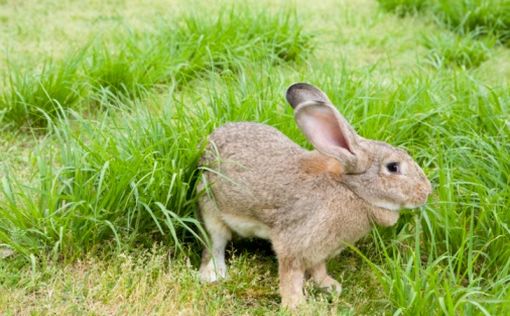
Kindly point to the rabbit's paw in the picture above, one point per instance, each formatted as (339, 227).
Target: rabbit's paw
(331, 285)
(212, 273)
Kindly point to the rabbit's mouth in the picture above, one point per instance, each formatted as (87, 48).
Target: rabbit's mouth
(421, 201)
(412, 205)
(390, 206)
(394, 207)
(379, 202)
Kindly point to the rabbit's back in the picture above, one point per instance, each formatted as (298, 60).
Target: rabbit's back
(252, 167)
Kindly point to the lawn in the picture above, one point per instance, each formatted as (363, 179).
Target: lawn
(105, 107)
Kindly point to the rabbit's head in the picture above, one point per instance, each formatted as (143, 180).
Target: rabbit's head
(379, 173)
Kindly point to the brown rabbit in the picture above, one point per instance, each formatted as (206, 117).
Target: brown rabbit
(310, 204)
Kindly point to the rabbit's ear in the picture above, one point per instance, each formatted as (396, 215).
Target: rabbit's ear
(302, 92)
(326, 128)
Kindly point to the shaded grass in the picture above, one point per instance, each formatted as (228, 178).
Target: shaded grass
(132, 63)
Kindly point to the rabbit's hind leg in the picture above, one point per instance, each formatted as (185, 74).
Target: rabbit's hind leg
(320, 276)
(213, 265)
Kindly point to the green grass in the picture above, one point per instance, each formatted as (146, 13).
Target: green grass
(36, 95)
(481, 17)
(403, 7)
(180, 54)
(452, 50)
(101, 217)
(486, 17)
(130, 64)
(153, 282)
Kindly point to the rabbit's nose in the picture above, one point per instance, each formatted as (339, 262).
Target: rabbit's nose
(425, 192)
(422, 192)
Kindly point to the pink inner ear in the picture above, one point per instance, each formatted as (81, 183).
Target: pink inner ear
(324, 130)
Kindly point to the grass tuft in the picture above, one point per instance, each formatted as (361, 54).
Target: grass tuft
(481, 17)
(452, 50)
(30, 98)
(484, 17)
(137, 181)
(403, 7)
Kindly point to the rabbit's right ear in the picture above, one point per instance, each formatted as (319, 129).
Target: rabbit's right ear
(326, 128)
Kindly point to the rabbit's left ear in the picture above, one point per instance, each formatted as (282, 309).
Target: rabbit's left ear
(302, 92)
(327, 130)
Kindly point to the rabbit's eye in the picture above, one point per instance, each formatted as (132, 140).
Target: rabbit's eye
(393, 167)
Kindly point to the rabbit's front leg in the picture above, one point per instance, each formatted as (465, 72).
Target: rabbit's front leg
(292, 276)
(213, 265)
(320, 276)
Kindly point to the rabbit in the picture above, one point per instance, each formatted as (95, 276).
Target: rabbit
(309, 204)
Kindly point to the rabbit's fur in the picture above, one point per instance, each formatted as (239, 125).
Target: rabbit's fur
(310, 204)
